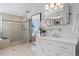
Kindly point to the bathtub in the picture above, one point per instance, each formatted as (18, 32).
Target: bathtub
(4, 42)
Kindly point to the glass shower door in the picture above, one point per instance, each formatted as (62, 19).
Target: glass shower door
(0, 27)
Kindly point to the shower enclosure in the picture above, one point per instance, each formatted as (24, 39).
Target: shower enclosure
(13, 29)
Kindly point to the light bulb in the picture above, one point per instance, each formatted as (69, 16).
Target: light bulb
(58, 4)
(51, 5)
(61, 6)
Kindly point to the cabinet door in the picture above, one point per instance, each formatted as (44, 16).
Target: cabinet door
(49, 47)
(33, 50)
(46, 47)
(34, 53)
(40, 45)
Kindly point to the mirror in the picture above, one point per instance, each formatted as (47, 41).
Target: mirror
(36, 19)
(58, 16)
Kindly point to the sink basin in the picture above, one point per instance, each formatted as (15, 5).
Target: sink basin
(56, 36)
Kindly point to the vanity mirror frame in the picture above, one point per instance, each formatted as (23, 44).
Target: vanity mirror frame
(65, 19)
(38, 15)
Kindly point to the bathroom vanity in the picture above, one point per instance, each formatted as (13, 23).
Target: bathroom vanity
(55, 45)
(52, 46)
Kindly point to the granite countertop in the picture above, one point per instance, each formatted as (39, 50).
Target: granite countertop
(72, 40)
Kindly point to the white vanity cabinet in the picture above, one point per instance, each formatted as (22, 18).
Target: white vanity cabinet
(54, 47)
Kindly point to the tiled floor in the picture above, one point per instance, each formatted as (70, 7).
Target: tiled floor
(18, 50)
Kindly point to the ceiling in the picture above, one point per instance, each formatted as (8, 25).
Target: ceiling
(21, 8)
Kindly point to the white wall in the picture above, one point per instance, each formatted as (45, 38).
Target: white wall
(68, 30)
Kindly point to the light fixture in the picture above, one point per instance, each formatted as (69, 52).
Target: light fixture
(58, 4)
(47, 6)
(61, 5)
(51, 5)
(54, 6)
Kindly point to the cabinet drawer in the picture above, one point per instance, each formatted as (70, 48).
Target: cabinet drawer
(45, 43)
(39, 41)
(50, 52)
(60, 53)
(44, 51)
(64, 47)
